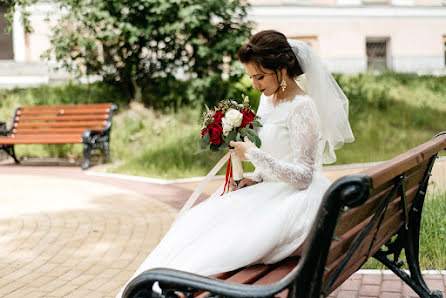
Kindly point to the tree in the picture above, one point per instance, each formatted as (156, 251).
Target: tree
(133, 42)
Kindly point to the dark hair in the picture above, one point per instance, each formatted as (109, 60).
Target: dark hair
(271, 50)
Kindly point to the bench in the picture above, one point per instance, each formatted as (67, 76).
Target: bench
(87, 124)
(376, 213)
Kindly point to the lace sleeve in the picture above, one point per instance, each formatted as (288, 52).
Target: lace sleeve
(257, 176)
(304, 129)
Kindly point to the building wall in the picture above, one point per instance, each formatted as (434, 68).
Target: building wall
(415, 35)
(338, 30)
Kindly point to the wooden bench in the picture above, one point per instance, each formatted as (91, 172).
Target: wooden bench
(373, 214)
(89, 124)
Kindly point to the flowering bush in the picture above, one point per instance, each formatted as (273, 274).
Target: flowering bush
(228, 121)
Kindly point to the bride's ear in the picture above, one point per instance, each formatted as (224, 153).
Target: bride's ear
(283, 72)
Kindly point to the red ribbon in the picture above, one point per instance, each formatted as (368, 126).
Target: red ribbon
(228, 176)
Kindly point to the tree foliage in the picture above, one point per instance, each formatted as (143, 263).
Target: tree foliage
(17, 5)
(132, 43)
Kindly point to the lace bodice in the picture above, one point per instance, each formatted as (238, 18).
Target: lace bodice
(290, 137)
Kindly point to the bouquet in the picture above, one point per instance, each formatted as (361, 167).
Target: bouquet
(229, 121)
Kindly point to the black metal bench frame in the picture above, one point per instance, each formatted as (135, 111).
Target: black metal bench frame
(306, 279)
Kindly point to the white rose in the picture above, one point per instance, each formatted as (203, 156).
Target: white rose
(226, 127)
(233, 118)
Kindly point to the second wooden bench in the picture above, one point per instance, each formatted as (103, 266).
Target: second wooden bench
(87, 124)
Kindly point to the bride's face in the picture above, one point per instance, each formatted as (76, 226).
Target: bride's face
(263, 79)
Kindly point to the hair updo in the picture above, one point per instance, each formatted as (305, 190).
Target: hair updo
(271, 50)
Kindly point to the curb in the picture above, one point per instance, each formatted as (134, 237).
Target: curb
(381, 271)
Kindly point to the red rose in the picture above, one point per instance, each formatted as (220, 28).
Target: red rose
(215, 131)
(217, 116)
(248, 117)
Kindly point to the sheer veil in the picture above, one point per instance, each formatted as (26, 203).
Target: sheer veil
(330, 100)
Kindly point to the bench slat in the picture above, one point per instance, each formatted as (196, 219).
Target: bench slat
(250, 274)
(341, 247)
(62, 117)
(280, 272)
(54, 130)
(352, 218)
(76, 106)
(380, 174)
(39, 125)
(66, 139)
(390, 226)
(64, 112)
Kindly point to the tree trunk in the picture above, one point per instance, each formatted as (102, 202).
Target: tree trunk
(136, 91)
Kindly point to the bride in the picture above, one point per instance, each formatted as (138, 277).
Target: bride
(268, 216)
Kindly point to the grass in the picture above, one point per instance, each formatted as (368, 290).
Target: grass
(432, 235)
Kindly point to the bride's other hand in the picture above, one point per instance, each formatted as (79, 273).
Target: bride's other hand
(243, 183)
(242, 147)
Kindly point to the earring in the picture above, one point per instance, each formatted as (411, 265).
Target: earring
(283, 85)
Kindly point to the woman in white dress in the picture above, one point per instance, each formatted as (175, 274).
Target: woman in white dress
(269, 215)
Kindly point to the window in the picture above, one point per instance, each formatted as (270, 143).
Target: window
(377, 53)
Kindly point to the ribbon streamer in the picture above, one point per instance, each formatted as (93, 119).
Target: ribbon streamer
(228, 176)
(194, 196)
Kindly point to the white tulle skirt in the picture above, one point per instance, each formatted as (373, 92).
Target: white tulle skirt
(263, 223)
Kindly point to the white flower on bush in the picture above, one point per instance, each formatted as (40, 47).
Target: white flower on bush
(232, 118)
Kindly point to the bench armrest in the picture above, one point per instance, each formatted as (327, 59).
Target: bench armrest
(91, 136)
(188, 283)
(3, 129)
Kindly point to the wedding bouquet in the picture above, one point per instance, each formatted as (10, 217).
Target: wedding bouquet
(229, 121)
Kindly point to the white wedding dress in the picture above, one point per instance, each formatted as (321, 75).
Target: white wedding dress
(263, 223)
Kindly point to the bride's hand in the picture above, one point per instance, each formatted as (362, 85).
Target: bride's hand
(244, 182)
(242, 147)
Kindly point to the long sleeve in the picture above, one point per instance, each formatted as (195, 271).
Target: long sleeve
(304, 133)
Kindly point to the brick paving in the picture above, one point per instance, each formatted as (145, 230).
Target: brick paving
(67, 234)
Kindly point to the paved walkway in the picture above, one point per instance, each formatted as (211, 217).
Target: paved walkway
(64, 233)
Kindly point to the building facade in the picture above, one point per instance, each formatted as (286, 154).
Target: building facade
(351, 36)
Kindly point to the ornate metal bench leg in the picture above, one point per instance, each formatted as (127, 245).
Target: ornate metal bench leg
(409, 240)
(412, 252)
(12, 153)
(9, 149)
(105, 150)
(88, 151)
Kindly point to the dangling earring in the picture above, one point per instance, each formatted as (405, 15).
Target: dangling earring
(283, 85)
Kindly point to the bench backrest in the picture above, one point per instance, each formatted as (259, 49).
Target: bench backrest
(67, 120)
(395, 187)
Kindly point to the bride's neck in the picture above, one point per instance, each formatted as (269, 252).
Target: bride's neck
(291, 91)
